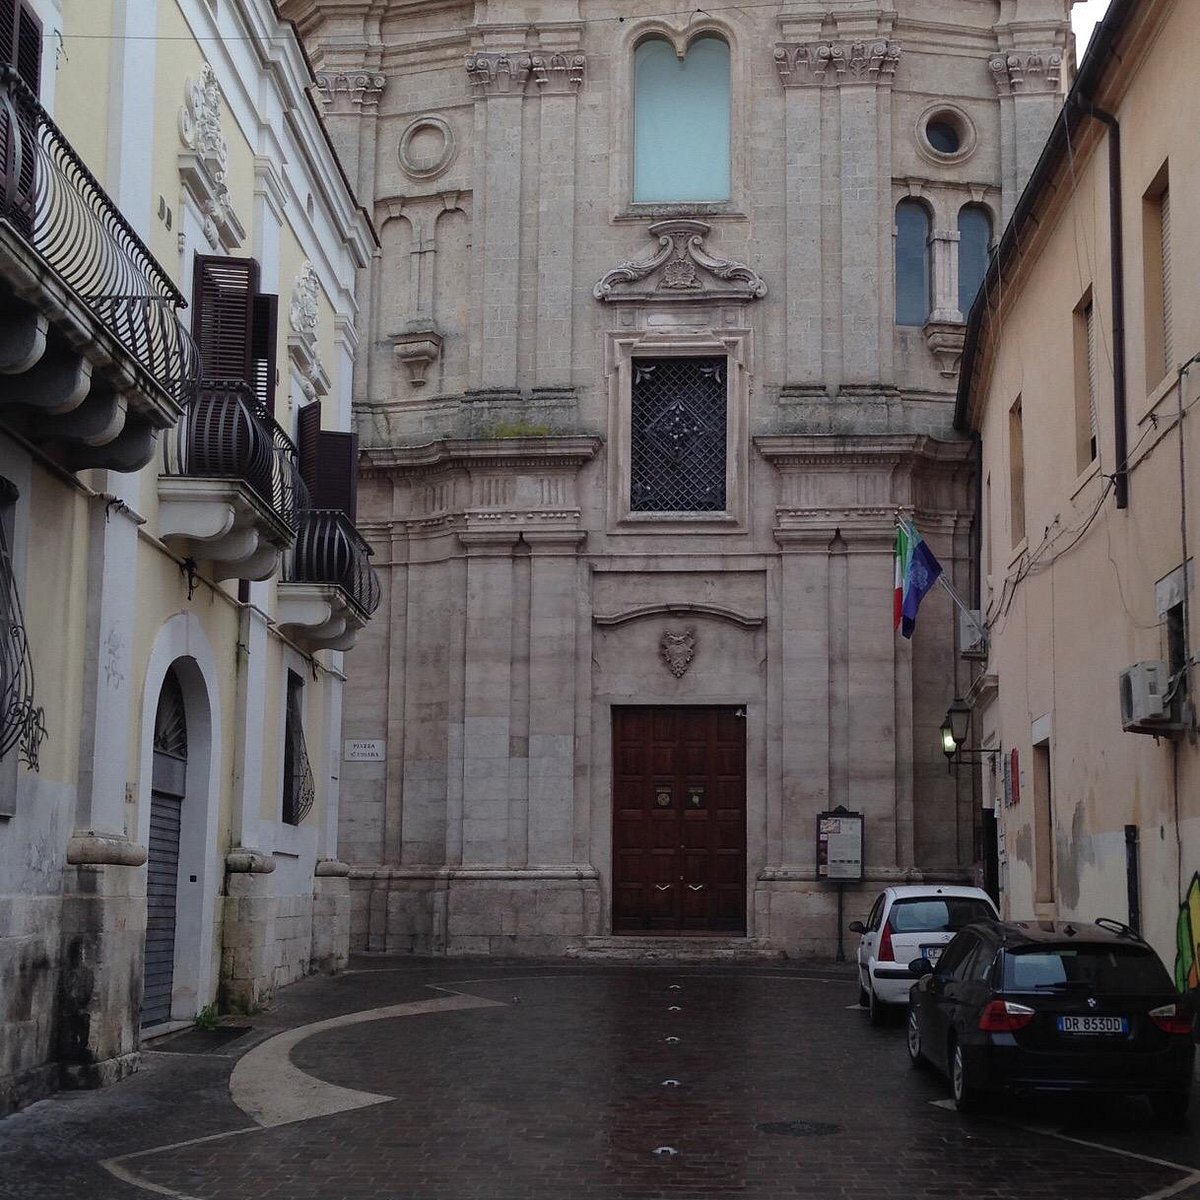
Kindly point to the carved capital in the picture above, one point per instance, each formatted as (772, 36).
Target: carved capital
(815, 64)
(361, 88)
(496, 74)
(683, 268)
(1018, 72)
(493, 73)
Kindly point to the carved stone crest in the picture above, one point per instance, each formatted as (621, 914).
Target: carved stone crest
(678, 649)
(303, 321)
(682, 269)
(203, 164)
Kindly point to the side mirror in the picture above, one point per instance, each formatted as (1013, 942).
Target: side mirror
(920, 967)
(857, 927)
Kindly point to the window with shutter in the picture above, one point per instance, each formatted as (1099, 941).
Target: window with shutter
(1156, 279)
(328, 463)
(263, 325)
(28, 51)
(21, 42)
(223, 314)
(1084, 325)
(1164, 221)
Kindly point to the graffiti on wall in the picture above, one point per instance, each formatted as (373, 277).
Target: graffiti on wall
(1187, 938)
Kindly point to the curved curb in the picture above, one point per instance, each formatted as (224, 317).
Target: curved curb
(270, 1089)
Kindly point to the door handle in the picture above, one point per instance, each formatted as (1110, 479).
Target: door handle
(695, 887)
(662, 887)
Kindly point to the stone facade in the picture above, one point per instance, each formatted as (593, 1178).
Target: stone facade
(525, 596)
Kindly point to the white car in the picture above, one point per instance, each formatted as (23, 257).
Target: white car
(907, 922)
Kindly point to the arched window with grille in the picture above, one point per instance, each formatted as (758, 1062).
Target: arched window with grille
(681, 121)
(912, 263)
(974, 244)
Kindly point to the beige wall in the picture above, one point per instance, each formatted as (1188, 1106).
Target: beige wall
(1075, 604)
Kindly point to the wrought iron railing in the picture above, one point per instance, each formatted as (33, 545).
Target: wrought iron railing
(54, 201)
(226, 434)
(329, 549)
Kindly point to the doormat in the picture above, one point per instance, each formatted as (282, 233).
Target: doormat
(199, 1041)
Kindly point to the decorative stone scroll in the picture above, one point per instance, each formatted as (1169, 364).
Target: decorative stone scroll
(362, 88)
(677, 649)
(815, 64)
(682, 269)
(205, 159)
(1017, 72)
(492, 73)
(303, 322)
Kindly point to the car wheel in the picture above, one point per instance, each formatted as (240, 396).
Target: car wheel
(1171, 1108)
(915, 1055)
(966, 1095)
(876, 1009)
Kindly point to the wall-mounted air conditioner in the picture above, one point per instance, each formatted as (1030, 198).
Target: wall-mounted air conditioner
(1144, 704)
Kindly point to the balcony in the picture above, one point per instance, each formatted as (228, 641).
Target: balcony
(93, 358)
(230, 489)
(329, 589)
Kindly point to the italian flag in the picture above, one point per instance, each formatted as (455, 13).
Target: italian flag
(917, 570)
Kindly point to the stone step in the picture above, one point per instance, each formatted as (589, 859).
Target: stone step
(638, 948)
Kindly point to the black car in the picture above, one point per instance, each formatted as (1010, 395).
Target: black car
(1052, 1006)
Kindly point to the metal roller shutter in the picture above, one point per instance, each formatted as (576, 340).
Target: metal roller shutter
(162, 882)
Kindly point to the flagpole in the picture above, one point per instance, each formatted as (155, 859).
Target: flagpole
(911, 530)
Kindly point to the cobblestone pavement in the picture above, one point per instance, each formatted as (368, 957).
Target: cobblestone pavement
(563, 1087)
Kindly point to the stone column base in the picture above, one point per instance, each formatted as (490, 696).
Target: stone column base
(330, 918)
(248, 932)
(101, 953)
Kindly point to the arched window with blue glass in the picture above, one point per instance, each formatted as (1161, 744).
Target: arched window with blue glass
(681, 121)
(912, 263)
(974, 246)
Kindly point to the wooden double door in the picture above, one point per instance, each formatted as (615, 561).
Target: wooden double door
(679, 820)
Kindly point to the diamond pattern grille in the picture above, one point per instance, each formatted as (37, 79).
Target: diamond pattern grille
(677, 455)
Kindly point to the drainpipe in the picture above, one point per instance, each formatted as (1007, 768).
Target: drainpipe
(1121, 475)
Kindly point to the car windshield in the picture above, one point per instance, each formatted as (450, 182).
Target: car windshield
(938, 914)
(1125, 969)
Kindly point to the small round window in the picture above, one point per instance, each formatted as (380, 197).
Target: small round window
(943, 137)
(945, 134)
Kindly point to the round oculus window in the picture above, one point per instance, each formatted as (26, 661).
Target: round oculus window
(943, 137)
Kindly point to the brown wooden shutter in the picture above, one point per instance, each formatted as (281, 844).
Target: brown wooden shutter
(28, 56)
(336, 483)
(222, 316)
(264, 323)
(8, 31)
(308, 437)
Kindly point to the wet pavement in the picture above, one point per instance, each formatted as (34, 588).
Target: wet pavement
(419, 1079)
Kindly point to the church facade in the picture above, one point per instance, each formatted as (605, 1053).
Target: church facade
(663, 333)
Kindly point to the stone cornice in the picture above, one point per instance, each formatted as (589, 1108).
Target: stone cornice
(818, 64)
(808, 450)
(533, 452)
(508, 73)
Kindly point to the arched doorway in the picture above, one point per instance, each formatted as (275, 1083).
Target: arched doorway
(168, 787)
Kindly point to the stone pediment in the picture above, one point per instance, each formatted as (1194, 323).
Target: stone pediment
(683, 268)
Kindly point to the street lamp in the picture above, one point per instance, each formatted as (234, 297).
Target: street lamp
(954, 730)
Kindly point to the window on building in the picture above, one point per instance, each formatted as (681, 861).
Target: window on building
(912, 263)
(21, 42)
(1156, 260)
(974, 242)
(1177, 660)
(678, 434)
(1043, 826)
(681, 122)
(299, 790)
(1084, 329)
(235, 325)
(1016, 473)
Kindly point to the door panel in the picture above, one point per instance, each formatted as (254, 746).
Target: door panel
(679, 820)
(162, 878)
